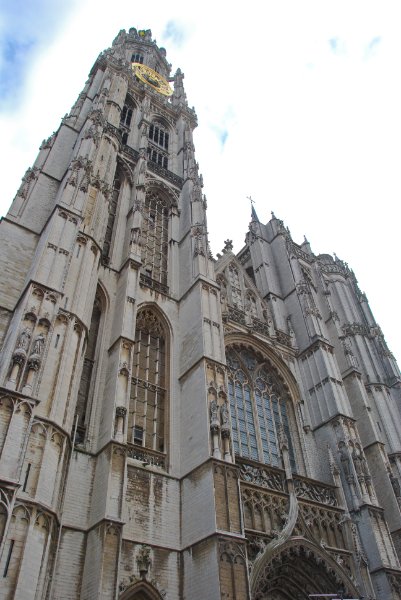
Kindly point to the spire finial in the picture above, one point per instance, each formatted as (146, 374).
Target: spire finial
(254, 216)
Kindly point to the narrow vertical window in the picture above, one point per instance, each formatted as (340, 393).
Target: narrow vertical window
(10, 551)
(148, 387)
(88, 370)
(112, 216)
(155, 237)
(158, 144)
(126, 119)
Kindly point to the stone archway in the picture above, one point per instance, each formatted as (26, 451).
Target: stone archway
(141, 590)
(299, 568)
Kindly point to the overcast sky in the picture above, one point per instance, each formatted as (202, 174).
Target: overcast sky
(298, 102)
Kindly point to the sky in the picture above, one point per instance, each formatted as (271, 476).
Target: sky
(298, 106)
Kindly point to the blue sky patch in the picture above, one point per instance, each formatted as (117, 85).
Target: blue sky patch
(223, 137)
(373, 46)
(337, 46)
(174, 33)
(26, 28)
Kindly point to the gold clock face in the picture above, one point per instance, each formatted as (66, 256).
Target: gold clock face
(152, 78)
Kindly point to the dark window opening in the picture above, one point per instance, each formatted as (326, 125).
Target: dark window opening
(138, 435)
(137, 58)
(10, 551)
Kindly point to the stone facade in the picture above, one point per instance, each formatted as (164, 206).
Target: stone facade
(174, 426)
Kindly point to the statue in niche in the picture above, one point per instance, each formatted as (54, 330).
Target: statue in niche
(224, 413)
(38, 344)
(23, 339)
(356, 457)
(214, 411)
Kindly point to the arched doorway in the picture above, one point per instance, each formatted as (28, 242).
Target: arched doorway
(299, 568)
(141, 590)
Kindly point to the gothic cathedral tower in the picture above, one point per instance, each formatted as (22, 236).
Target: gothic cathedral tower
(172, 426)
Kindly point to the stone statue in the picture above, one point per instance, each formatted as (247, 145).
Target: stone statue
(213, 411)
(224, 413)
(23, 339)
(357, 462)
(38, 344)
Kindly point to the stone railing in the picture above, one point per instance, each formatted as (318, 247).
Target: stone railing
(236, 315)
(274, 479)
(306, 489)
(266, 477)
(131, 152)
(166, 174)
(145, 281)
(147, 456)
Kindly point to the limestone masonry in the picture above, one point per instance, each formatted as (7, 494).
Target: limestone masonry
(174, 426)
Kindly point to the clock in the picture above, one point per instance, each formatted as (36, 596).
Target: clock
(152, 78)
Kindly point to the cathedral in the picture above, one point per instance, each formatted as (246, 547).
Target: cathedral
(173, 425)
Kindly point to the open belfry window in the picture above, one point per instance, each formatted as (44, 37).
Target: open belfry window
(260, 407)
(158, 144)
(137, 58)
(154, 237)
(148, 396)
(126, 119)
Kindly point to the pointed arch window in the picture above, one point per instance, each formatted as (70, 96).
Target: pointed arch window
(158, 144)
(259, 408)
(154, 237)
(126, 119)
(148, 396)
(112, 215)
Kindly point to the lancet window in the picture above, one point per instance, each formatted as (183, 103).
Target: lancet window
(158, 144)
(112, 215)
(155, 237)
(259, 408)
(126, 118)
(149, 382)
(88, 369)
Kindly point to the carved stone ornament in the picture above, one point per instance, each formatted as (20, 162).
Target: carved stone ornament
(143, 561)
(314, 491)
(147, 457)
(262, 476)
(148, 322)
(121, 411)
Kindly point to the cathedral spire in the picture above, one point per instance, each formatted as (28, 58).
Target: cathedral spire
(254, 216)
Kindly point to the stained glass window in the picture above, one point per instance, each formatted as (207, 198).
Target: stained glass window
(259, 408)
